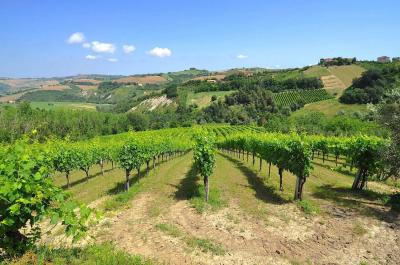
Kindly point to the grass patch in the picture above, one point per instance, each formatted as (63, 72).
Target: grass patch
(192, 189)
(359, 229)
(204, 245)
(330, 108)
(169, 229)
(232, 218)
(214, 203)
(121, 199)
(103, 254)
(308, 207)
(346, 73)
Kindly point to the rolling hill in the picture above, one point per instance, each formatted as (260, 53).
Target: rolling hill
(145, 91)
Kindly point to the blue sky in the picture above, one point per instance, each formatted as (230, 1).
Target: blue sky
(176, 35)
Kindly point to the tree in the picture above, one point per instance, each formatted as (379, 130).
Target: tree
(138, 121)
(204, 158)
(28, 195)
(171, 91)
(389, 116)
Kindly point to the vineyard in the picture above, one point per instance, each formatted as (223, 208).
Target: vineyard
(307, 96)
(28, 169)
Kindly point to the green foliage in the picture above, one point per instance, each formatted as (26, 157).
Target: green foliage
(108, 86)
(204, 154)
(289, 98)
(308, 207)
(274, 81)
(72, 95)
(337, 61)
(27, 196)
(169, 229)
(215, 200)
(372, 86)
(65, 159)
(318, 123)
(206, 245)
(130, 156)
(101, 254)
(60, 123)
(172, 91)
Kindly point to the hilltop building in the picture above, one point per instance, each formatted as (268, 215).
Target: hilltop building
(383, 59)
(325, 60)
(337, 61)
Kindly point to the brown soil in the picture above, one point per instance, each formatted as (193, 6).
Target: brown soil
(332, 82)
(150, 79)
(210, 77)
(93, 81)
(285, 236)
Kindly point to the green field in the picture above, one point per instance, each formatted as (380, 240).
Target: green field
(203, 99)
(330, 108)
(316, 71)
(346, 73)
(69, 105)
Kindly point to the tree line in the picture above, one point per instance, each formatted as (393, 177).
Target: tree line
(264, 80)
(374, 86)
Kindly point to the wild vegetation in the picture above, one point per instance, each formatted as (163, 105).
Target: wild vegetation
(373, 86)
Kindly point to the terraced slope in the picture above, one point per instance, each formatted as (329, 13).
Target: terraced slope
(346, 73)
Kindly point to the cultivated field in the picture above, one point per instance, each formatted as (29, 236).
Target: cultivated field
(67, 105)
(210, 77)
(249, 221)
(250, 218)
(149, 79)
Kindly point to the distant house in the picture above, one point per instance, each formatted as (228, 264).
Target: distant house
(211, 81)
(383, 59)
(338, 61)
(396, 59)
(326, 60)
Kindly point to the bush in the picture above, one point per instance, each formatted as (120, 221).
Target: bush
(28, 195)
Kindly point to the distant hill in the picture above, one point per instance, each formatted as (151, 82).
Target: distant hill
(125, 92)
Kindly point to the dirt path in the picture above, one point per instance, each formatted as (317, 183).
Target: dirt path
(256, 227)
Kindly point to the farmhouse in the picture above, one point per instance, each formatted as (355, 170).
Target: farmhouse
(383, 59)
(326, 60)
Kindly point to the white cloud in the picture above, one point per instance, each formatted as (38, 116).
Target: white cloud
(128, 48)
(91, 57)
(242, 56)
(160, 52)
(76, 37)
(102, 47)
(86, 45)
(113, 60)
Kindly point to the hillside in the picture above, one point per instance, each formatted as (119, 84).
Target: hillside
(194, 87)
(331, 108)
